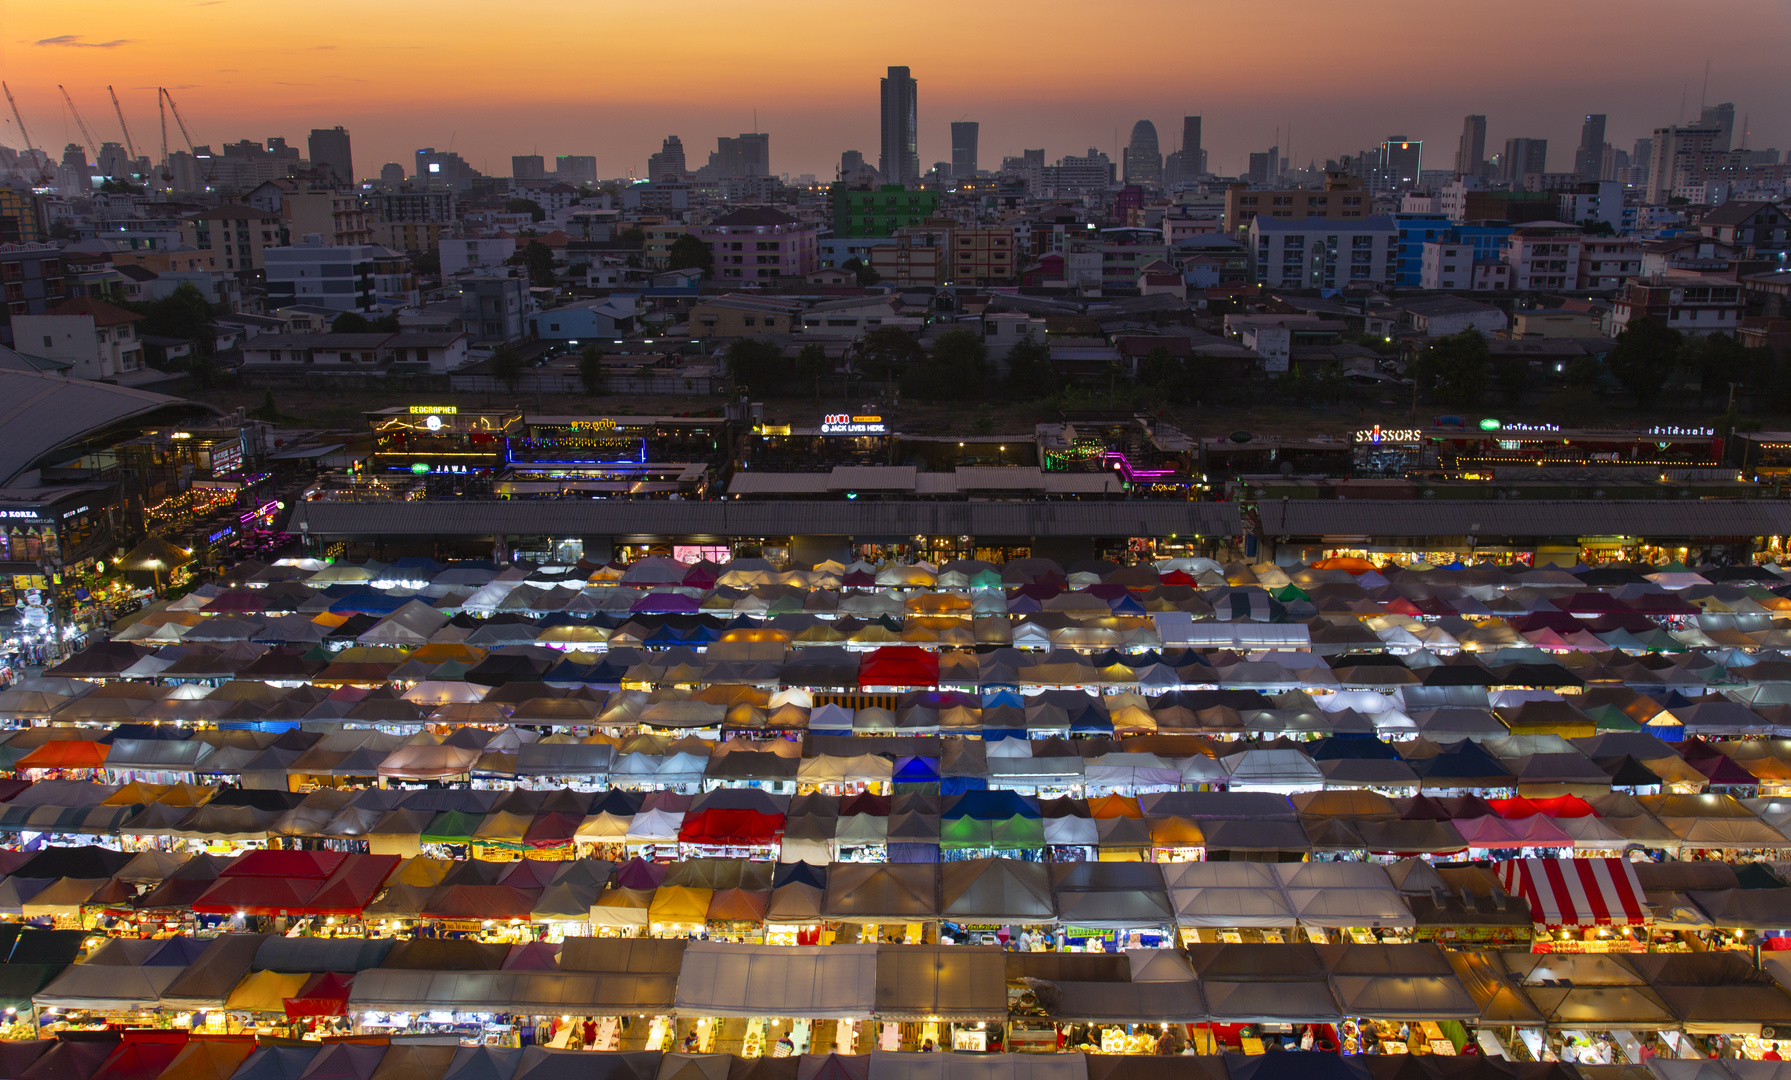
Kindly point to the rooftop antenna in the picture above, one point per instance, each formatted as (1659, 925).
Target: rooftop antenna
(1744, 120)
(1704, 91)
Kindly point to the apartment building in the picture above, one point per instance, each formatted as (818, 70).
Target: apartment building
(1343, 198)
(1692, 304)
(758, 243)
(982, 256)
(95, 339)
(1447, 265)
(1606, 263)
(1329, 254)
(1544, 255)
(236, 235)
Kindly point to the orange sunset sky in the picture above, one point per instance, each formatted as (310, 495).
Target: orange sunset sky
(611, 79)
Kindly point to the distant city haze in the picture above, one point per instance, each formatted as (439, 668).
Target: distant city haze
(559, 77)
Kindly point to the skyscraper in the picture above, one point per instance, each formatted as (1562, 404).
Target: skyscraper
(900, 161)
(1265, 168)
(1588, 160)
(1720, 116)
(669, 161)
(1398, 164)
(1184, 166)
(575, 169)
(528, 167)
(1470, 156)
(1684, 155)
(1143, 161)
(748, 154)
(329, 150)
(1191, 141)
(1523, 156)
(963, 147)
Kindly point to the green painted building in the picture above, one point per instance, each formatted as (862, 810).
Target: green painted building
(863, 213)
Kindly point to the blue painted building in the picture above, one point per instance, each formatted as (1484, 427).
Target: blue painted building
(1488, 238)
(1414, 231)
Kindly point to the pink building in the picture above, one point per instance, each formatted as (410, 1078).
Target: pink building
(758, 243)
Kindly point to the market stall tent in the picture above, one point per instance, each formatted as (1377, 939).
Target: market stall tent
(835, 982)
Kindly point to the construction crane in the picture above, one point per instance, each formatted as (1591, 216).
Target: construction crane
(24, 135)
(184, 133)
(80, 123)
(167, 166)
(122, 126)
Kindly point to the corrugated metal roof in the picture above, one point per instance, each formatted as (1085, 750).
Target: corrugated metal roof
(617, 517)
(1524, 517)
(42, 412)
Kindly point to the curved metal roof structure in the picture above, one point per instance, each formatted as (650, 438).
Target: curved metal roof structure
(41, 413)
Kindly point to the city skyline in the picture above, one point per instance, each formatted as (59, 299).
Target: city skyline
(413, 85)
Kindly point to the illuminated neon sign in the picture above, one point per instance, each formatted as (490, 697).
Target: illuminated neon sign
(434, 410)
(843, 424)
(1377, 435)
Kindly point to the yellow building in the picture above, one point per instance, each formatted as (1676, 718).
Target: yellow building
(656, 250)
(735, 315)
(411, 235)
(235, 235)
(1342, 197)
(1555, 323)
(982, 256)
(334, 214)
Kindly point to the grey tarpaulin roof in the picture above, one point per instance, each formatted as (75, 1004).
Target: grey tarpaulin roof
(881, 892)
(563, 759)
(207, 982)
(1110, 894)
(598, 517)
(534, 992)
(950, 982)
(321, 954)
(1000, 891)
(107, 987)
(824, 982)
(1520, 517)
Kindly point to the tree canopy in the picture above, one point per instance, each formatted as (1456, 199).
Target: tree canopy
(690, 253)
(590, 370)
(1454, 370)
(956, 369)
(1644, 358)
(755, 365)
(526, 206)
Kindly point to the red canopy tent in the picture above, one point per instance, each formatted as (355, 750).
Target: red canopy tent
(1577, 892)
(898, 665)
(731, 827)
(1558, 806)
(353, 886)
(552, 830)
(326, 994)
(310, 865)
(142, 1055)
(257, 896)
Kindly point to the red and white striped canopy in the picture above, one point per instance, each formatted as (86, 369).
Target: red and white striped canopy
(1577, 892)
